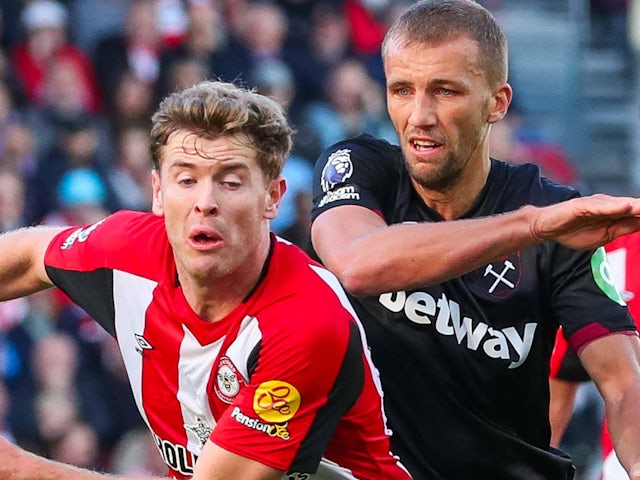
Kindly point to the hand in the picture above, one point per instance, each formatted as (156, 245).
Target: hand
(587, 222)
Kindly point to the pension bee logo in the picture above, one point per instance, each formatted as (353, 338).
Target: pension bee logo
(276, 401)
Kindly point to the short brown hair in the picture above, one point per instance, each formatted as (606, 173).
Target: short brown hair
(212, 109)
(435, 21)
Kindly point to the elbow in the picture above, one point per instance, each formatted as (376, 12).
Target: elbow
(359, 282)
(357, 273)
(353, 283)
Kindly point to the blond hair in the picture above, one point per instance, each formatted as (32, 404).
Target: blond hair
(213, 109)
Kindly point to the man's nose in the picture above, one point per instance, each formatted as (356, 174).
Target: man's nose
(423, 112)
(206, 199)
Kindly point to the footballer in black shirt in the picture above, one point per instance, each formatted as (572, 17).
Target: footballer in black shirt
(464, 364)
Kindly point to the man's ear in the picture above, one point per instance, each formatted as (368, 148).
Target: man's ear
(500, 103)
(157, 206)
(274, 194)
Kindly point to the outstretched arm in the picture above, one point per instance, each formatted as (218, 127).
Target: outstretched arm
(613, 362)
(213, 463)
(18, 464)
(22, 269)
(370, 257)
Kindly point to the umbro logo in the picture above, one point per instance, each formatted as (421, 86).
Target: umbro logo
(142, 344)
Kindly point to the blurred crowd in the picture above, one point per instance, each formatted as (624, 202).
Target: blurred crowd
(79, 80)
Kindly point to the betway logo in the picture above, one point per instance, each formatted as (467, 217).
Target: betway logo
(420, 307)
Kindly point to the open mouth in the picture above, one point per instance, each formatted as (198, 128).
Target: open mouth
(204, 240)
(423, 145)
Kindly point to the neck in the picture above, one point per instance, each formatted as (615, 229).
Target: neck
(456, 199)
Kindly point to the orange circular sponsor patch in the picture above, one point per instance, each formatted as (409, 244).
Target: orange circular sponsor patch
(276, 401)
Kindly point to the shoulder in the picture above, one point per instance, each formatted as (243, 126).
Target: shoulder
(362, 170)
(526, 182)
(130, 230)
(124, 238)
(301, 291)
(366, 144)
(294, 272)
(363, 148)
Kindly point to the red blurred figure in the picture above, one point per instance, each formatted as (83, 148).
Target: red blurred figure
(45, 22)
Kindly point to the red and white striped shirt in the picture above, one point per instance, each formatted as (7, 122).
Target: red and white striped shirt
(285, 379)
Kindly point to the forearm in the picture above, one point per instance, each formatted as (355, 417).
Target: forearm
(370, 257)
(561, 403)
(405, 256)
(613, 362)
(18, 464)
(623, 422)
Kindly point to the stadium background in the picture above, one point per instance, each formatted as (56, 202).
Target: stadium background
(80, 78)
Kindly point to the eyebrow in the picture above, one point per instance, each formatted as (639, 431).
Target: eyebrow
(225, 166)
(434, 82)
(181, 164)
(398, 83)
(448, 82)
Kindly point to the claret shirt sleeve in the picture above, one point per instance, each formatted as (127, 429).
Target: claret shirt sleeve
(586, 301)
(623, 255)
(565, 364)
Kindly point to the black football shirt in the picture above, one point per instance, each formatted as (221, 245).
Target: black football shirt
(464, 364)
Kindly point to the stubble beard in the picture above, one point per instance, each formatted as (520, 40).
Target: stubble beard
(441, 179)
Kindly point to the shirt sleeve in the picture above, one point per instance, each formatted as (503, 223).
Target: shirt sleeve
(307, 377)
(585, 299)
(360, 171)
(565, 364)
(80, 260)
